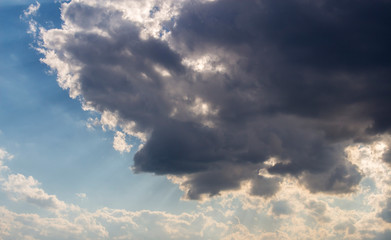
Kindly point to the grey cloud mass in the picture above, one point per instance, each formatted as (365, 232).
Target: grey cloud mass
(300, 81)
(265, 187)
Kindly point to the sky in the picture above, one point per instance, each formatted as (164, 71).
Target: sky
(195, 119)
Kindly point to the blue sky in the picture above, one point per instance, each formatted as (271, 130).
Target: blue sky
(46, 130)
(116, 123)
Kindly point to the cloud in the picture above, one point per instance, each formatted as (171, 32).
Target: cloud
(293, 213)
(73, 222)
(266, 187)
(383, 236)
(385, 214)
(345, 227)
(223, 86)
(22, 188)
(318, 210)
(281, 208)
(32, 9)
(33, 226)
(82, 196)
(108, 223)
(4, 155)
(28, 16)
(339, 180)
(120, 144)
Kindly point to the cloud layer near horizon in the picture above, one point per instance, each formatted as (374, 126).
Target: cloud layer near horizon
(294, 213)
(221, 91)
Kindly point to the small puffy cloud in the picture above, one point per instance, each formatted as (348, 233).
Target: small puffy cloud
(109, 120)
(120, 144)
(81, 195)
(4, 155)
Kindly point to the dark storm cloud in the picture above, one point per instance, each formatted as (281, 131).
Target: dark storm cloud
(314, 59)
(265, 187)
(183, 147)
(303, 79)
(118, 72)
(219, 177)
(340, 179)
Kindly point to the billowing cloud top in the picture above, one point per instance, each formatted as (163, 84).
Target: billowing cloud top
(225, 92)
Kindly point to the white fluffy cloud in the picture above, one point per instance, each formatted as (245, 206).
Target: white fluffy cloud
(120, 143)
(21, 188)
(33, 226)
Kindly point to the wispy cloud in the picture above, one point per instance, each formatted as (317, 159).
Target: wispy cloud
(32, 9)
(28, 15)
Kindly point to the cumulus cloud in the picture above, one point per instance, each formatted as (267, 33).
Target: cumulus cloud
(220, 87)
(33, 226)
(109, 223)
(22, 188)
(120, 144)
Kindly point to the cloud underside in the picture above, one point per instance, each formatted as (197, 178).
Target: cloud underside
(222, 87)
